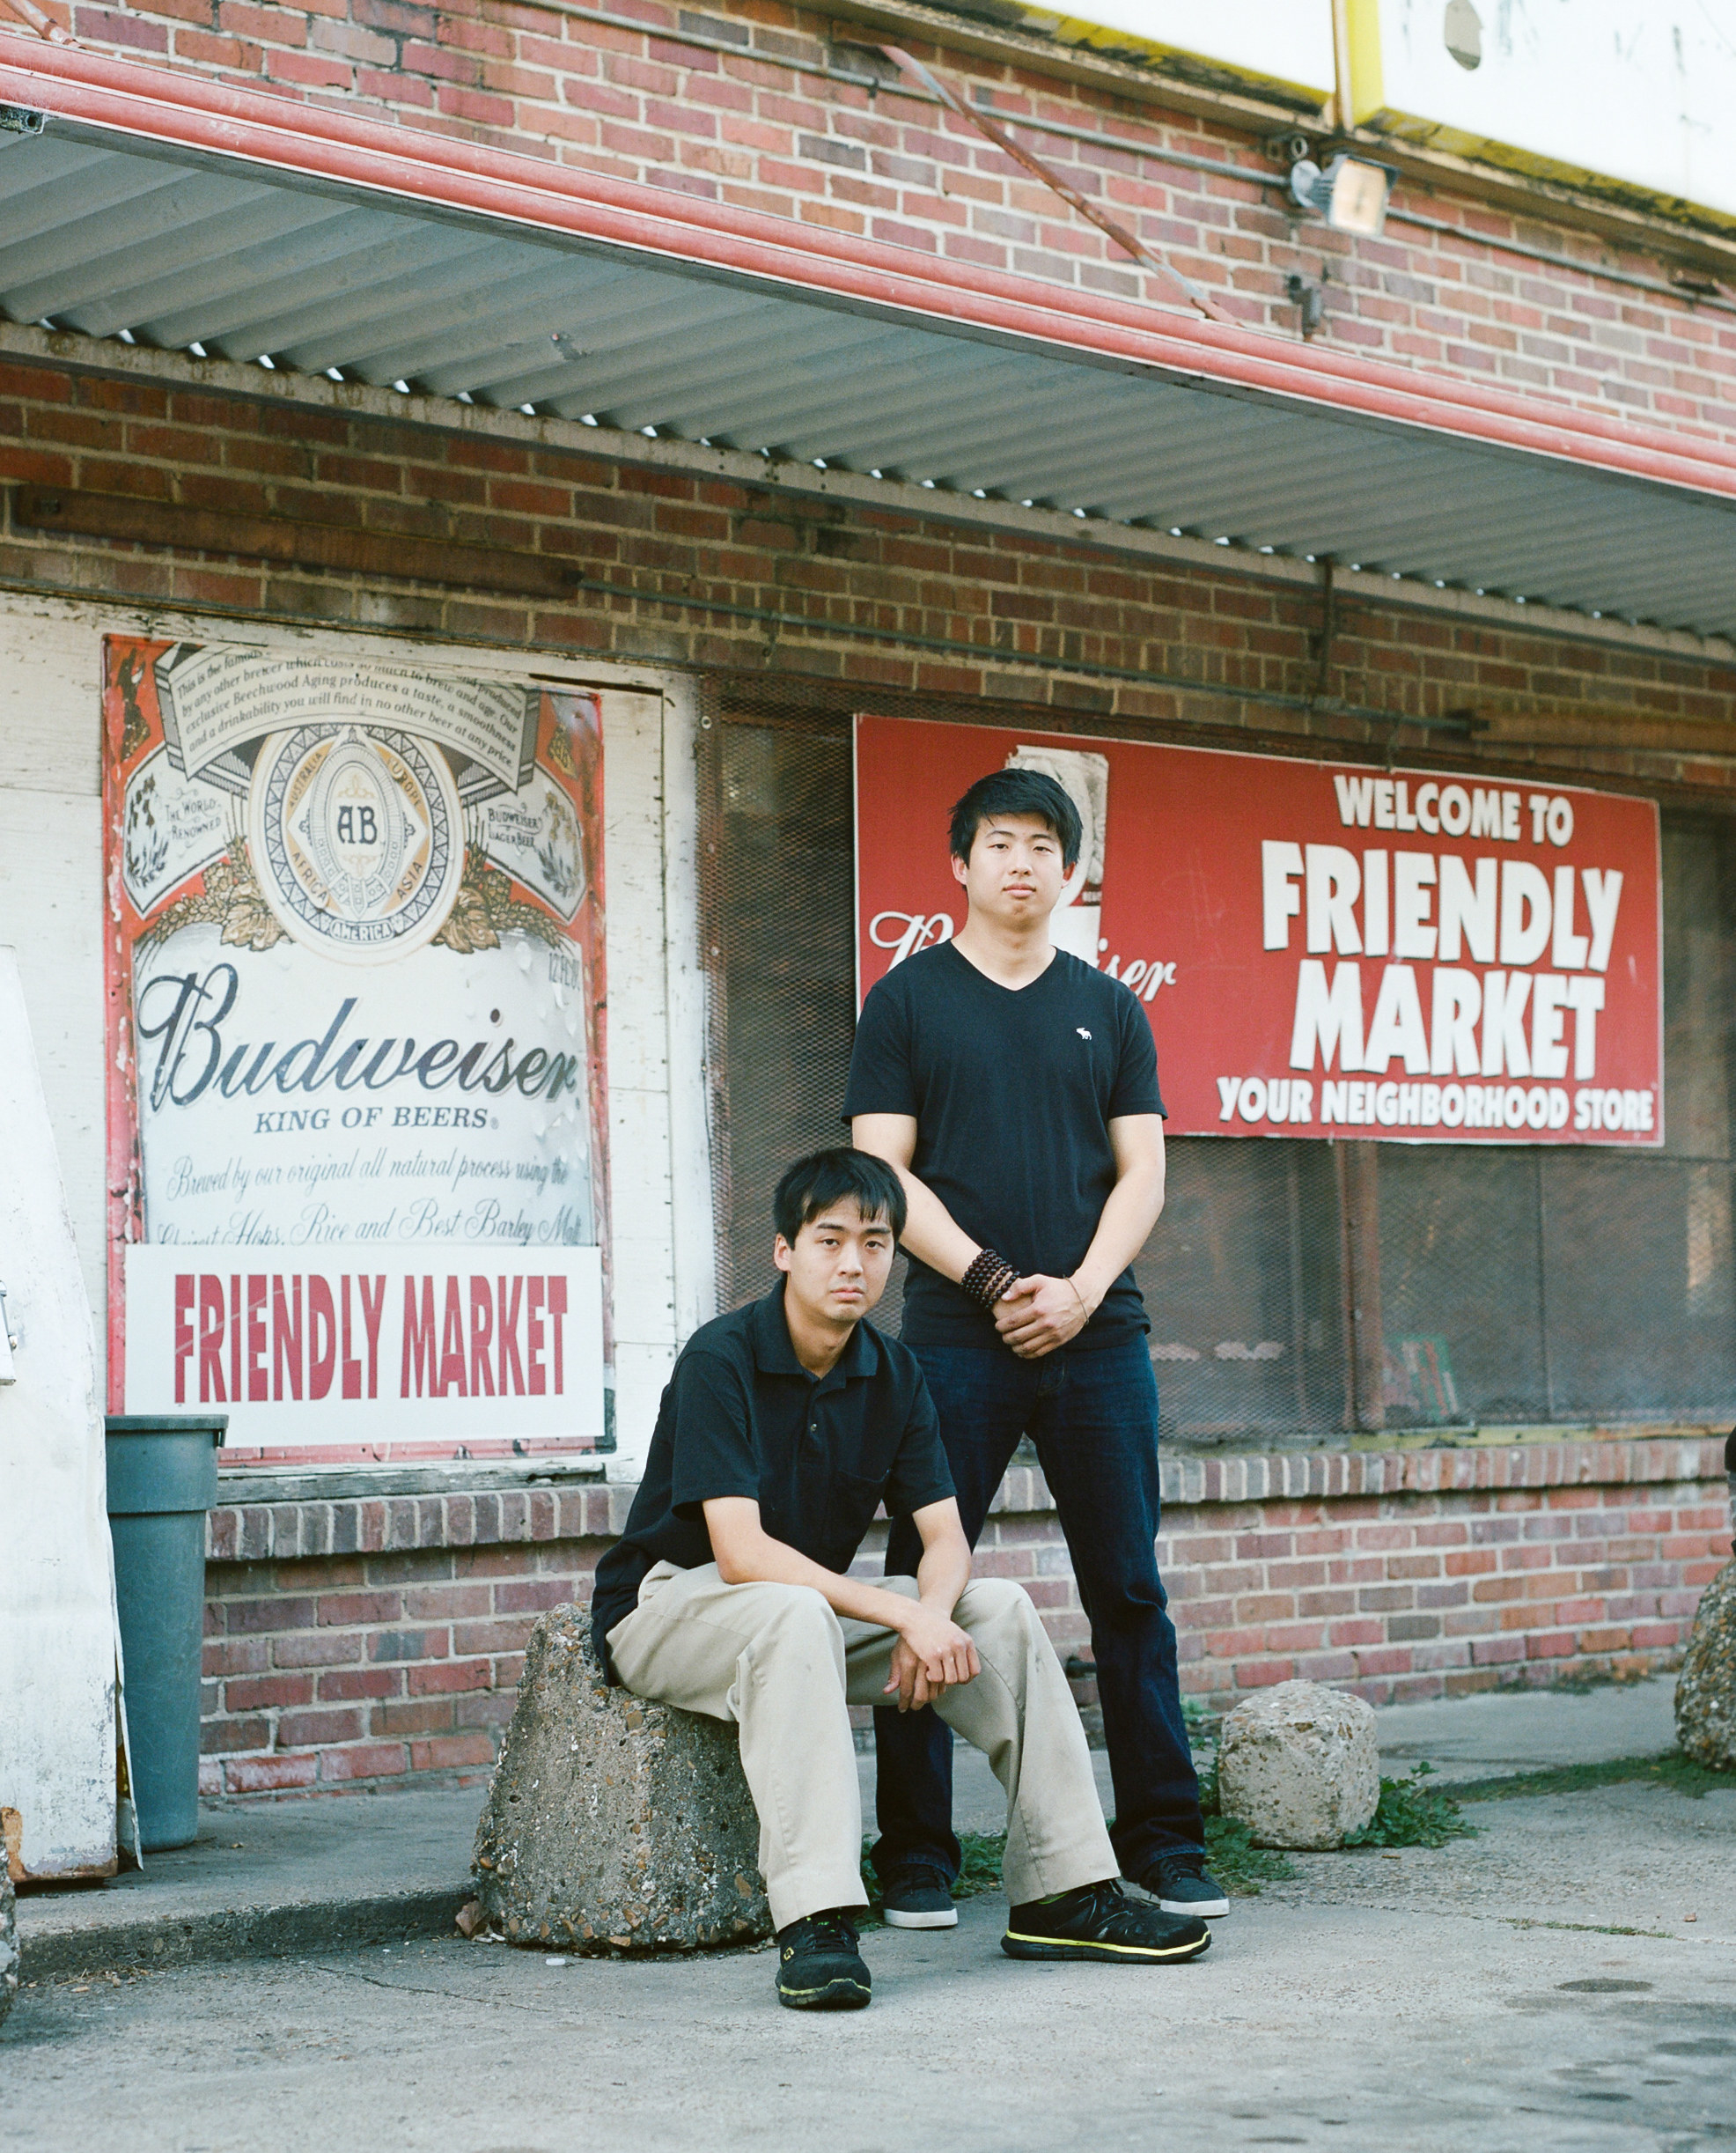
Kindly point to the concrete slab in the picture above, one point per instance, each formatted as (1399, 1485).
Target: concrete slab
(1526, 1731)
(279, 1876)
(1483, 1999)
(1488, 1737)
(307, 1876)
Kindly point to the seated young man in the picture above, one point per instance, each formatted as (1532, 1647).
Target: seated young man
(785, 1426)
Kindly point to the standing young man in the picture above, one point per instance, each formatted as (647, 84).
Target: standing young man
(1015, 1090)
(783, 1426)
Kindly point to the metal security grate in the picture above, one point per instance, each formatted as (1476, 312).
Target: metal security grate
(1297, 1290)
(778, 889)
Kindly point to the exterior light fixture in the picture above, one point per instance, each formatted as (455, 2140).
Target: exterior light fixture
(1350, 193)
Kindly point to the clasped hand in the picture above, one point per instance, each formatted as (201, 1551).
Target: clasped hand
(1039, 1313)
(932, 1653)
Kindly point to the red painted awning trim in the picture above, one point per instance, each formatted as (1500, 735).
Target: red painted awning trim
(180, 109)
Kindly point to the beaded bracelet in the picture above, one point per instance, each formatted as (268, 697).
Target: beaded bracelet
(988, 1277)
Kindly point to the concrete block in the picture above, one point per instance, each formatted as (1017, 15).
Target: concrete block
(1706, 1692)
(613, 1823)
(9, 1939)
(1299, 1767)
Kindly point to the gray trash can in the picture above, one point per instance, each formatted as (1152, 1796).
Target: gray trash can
(162, 1479)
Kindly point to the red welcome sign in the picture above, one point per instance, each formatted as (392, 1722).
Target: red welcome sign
(1322, 949)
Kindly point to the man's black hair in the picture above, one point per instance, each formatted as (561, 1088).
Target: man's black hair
(823, 1178)
(1017, 792)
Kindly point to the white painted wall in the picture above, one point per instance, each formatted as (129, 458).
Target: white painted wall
(51, 887)
(56, 1594)
(51, 911)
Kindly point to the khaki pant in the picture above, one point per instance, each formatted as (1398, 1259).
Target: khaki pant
(777, 1661)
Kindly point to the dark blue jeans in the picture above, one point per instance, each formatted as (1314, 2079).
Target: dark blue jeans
(1093, 1418)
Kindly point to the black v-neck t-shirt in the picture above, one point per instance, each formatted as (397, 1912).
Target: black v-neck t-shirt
(1013, 1090)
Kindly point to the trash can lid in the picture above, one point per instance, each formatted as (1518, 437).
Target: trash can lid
(162, 1462)
(169, 1424)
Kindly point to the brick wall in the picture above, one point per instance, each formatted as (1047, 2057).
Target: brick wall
(358, 1642)
(746, 105)
(527, 491)
(1435, 1573)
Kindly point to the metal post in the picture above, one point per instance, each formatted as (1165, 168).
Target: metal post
(1359, 1206)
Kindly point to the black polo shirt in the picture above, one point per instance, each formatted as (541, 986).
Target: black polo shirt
(741, 1416)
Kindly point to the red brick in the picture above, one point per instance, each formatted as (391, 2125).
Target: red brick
(351, 1609)
(243, 1775)
(253, 1694)
(449, 1752)
(341, 1683)
(301, 1730)
(420, 1715)
(317, 1648)
(364, 1761)
(449, 1675)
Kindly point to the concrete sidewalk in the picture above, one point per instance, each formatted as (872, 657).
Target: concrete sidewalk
(267, 1878)
(1536, 1989)
(1492, 1737)
(289, 1878)
(1509, 1731)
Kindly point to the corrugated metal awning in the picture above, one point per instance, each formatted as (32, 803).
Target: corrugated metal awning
(180, 213)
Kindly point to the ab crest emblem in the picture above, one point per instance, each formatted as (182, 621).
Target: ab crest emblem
(356, 837)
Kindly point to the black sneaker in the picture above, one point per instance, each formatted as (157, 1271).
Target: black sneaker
(819, 1967)
(1181, 1883)
(1099, 1921)
(918, 1898)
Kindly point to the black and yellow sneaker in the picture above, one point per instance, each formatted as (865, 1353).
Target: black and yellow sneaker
(819, 1967)
(1099, 1921)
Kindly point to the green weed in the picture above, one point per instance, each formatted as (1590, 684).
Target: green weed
(1200, 1720)
(1239, 1865)
(1672, 1770)
(1412, 1814)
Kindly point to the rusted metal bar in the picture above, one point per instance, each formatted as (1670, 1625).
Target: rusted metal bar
(1053, 180)
(1359, 1201)
(1329, 628)
(33, 17)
